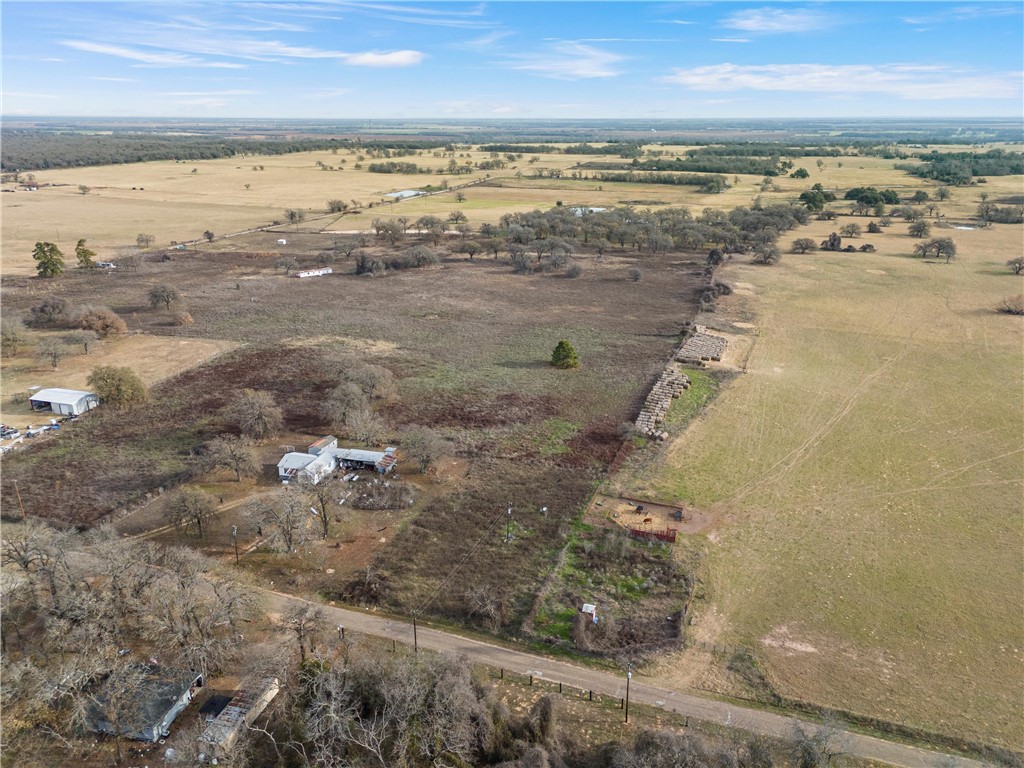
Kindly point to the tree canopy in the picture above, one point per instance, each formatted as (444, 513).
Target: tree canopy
(117, 386)
(50, 260)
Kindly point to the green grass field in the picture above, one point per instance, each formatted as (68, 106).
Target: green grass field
(868, 467)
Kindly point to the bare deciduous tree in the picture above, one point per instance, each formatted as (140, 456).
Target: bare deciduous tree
(191, 509)
(234, 453)
(255, 413)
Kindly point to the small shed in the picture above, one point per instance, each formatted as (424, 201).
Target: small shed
(67, 402)
(157, 695)
(282, 241)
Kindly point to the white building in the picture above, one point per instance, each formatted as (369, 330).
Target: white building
(67, 402)
(325, 457)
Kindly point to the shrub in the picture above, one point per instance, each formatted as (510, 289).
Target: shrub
(53, 311)
(574, 271)
(1011, 305)
(804, 245)
(103, 320)
(182, 318)
(565, 356)
(635, 274)
(1017, 265)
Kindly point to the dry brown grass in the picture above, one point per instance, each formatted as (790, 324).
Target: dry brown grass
(153, 358)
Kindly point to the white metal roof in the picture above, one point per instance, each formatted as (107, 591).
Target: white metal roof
(62, 396)
(296, 460)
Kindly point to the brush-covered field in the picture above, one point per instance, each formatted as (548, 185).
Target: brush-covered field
(861, 457)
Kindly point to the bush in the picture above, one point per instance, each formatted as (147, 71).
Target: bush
(52, 312)
(103, 320)
(565, 356)
(182, 318)
(1011, 305)
(574, 271)
(804, 245)
(635, 274)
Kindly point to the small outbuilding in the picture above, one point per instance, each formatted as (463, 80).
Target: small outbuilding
(236, 716)
(306, 466)
(67, 402)
(142, 701)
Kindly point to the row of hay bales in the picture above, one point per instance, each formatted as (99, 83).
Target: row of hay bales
(698, 347)
(701, 346)
(669, 385)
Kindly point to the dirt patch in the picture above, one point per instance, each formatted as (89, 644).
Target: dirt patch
(612, 512)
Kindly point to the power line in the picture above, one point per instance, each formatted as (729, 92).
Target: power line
(462, 562)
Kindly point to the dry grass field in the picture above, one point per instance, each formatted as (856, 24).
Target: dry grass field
(861, 460)
(154, 358)
(170, 202)
(867, 466)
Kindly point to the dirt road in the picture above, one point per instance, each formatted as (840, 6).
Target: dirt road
(600, 681)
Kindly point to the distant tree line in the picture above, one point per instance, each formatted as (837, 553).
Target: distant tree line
(752, 165)
(24, 150)
(960, 168)
(709, 182)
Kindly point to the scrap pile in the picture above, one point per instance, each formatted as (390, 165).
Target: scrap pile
(670, 385)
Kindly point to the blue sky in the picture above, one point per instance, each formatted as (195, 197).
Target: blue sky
(333, 59)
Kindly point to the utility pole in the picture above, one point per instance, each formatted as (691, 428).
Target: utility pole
(508, 524)
(234, 539)
(415, 641)
(629, 676)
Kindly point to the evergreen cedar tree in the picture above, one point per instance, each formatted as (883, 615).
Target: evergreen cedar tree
(565, 356)
(51, 260)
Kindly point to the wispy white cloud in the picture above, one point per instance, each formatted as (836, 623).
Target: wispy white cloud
(967, 13)
(777, 20)
(909, 81)
(464, 18)
(28, 95)
(116, 79)
(388, 59)
(677, 21)
(730, 39)
(327, 93)
(568, 61)
(150, 58)
(484, 42)
(170, 50)
(627, 40)
(209, 94)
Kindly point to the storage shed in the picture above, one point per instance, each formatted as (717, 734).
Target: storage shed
(67, 402)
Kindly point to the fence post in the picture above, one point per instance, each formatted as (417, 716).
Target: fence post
(502, 673)
(591, 695)
(559, 687)
(531, 680)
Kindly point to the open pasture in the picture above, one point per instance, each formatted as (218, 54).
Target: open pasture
(867, 469)
(169, 201)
